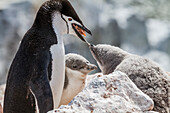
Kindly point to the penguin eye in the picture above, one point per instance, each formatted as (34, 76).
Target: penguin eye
(69, 19)
(74, 66)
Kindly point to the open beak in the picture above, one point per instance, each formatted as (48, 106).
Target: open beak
(81, 30)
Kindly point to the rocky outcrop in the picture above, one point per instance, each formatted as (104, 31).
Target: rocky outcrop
(113, 93)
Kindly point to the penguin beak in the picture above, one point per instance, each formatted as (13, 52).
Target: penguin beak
(91, 67)
(94, 52)
(81, 30)
(92, 48)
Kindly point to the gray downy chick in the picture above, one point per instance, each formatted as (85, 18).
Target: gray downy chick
(77, 68)
(146, 74)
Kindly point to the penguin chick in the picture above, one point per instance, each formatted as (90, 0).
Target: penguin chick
(146, 74)
(77, 68)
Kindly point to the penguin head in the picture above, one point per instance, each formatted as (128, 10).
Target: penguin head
(63, 18)
(107, 56)
(72, 21)
(78, 63)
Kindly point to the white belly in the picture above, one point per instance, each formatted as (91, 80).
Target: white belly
(58, 72)
(75, 86)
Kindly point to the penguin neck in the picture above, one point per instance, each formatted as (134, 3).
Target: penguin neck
(59, 37)
(59, 26)
(75, 76)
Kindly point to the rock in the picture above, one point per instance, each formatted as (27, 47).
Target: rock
(151, 112)
(15, 20)
(2, 91)
(1, 108)
(113, 93)
(150, 78)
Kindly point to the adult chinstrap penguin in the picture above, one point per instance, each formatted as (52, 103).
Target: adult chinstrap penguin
(29, 73)
(146, 74)
(77, 68)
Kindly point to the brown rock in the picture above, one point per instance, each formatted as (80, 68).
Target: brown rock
(1, 108)
(2, 91)
(168, 73)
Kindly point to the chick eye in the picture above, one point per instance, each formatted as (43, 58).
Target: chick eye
(74, 66)
(69, 19)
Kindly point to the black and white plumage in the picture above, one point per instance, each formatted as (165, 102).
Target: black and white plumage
(32, 66)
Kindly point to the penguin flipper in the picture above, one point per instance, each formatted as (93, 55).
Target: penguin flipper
(41, 88)
(50, 68)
